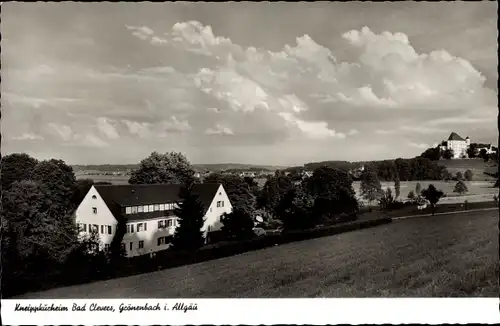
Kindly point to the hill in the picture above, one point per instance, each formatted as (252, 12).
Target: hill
(102, 168)
(480, 170)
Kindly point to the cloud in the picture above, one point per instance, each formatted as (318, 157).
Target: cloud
(142, 32)
(63, 131)
(176, 125)
(190, 81)
(106, 128)
(314, 130)
(91, 140)
(141, 129)
(28, 136)
(219, 130)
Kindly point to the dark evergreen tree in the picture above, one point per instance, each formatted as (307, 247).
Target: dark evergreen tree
(190, 213)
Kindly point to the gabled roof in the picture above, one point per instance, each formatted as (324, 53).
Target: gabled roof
(118, 196)
(455, 136)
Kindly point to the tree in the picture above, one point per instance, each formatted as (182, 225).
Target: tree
(418, 189)
(411, 196)
(432, 154)
(460, 187)
(459, 176)
(483, 154)
(403, 169)
(448, 154)
(170, 167)
(387, 200)
(447, 176)
(237, 225)
(59, 180)
(432, 195)
(16, 167)
(472, 151)
(370, 185)
(239, 191)
(273, 192)
(190, 213)
(468, 175)
(397, 187)
(297, 210)
(332, 192)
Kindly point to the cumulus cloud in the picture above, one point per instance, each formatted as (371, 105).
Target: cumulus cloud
(106, 128)
(140, 129)
(200, 83)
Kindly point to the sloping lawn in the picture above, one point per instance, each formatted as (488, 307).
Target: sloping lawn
(448, 255)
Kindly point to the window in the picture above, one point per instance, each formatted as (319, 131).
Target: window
(94, 197)
(176, 222)
(146, 208)
(145, 226)
(131, 245)
(96, 228)
(102, 229)
(109, 229)
(94, 210)
(157, 207)
(210, 209)
(141, 244)
(220, 193)
(128, 210)
(84, 227)
(140, 227)
(131, 228)
(161, 225)
(160, 241)
(151, 208)
(162, 207)
(140, 209)
(218, 204)
(170, 223)
(128, 228)
(222, 203)
(134, 209)
(123, 246)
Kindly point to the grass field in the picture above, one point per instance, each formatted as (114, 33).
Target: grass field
(114, 179)
(448, 256)
(477, 166)
(478, 190)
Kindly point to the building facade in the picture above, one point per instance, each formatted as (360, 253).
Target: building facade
(148, 212)
(457, 144)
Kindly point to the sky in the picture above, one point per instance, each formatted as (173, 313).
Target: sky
(256, 83)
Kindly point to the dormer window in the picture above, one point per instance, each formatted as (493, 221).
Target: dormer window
(94, 197)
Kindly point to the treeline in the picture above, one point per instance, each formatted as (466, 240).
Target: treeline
(40, 243)
(418, 168)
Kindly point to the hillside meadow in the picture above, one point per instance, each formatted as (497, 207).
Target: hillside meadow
(453, 255)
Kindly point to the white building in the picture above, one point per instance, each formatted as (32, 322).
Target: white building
(148, 210)
(457, 144)
(489, 150)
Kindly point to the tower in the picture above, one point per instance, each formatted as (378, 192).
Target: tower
(467, 140)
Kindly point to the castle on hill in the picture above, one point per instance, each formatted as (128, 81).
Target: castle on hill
(457, 144)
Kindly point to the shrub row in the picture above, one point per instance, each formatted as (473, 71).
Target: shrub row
(169, 258)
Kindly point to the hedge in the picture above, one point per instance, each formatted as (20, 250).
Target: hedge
(170, 258)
